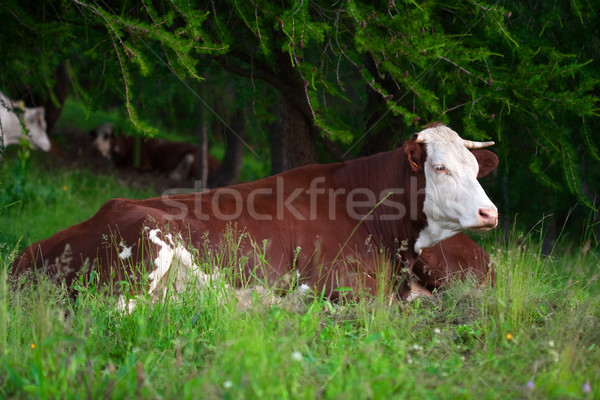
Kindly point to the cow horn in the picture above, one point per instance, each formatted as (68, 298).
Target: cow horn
(418, 137)
(476, 145)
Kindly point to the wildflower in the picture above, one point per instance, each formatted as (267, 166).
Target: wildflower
(32, 345)
(416, 347)
(530, 385)
(64, 188)
(586, 387)
(303, 288)
(509, 336)
(297, 356)
(227, 384)
(550, 343)
(437, 331)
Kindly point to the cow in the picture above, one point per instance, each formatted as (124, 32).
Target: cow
(343, 229)
(11, 128)
(178, 159)
(455, 258)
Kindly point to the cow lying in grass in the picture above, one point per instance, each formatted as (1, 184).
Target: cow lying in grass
(178, 159)
(351, 228)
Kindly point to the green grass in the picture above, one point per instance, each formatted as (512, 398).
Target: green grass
(534, 335)
(36, 200)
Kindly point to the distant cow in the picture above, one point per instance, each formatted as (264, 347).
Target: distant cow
(455, 258)
(178, 159)
(357, 225)
(33, 119)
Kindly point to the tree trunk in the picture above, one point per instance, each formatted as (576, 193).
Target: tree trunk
(231, 166)
(202, 150)
(298, 130)
(61, 90)
(384, 130)
(52, 108)
(298, 141)
(276, 142)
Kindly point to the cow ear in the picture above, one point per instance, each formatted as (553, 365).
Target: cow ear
(41, 113)
(487, 161)
(414, 153)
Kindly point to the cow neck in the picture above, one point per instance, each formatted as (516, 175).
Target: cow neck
(379, 173)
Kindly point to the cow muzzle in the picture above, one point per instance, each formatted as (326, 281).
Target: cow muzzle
(487, 218)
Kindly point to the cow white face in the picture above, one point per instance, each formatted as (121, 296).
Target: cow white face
(33, 118)
(454, 199)
(35, 122)
(103, 140)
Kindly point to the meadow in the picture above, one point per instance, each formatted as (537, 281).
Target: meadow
(534, 335)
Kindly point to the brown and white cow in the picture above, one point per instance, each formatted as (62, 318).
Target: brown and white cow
(10, 125)
(359, 224)
(178, 159)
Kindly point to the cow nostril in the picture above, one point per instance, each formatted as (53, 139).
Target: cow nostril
(487, 214)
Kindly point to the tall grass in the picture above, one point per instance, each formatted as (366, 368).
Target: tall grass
(535, 334)
(456, 345)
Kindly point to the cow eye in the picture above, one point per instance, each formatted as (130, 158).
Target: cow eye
(439, 169)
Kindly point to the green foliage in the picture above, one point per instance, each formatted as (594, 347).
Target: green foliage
(78, 115)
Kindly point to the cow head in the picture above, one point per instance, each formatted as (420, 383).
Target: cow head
(35, 122)
(117, 148)
(454, 199)
(103, 137)
(14, 115)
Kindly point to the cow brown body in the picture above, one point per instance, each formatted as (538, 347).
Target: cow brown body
(296, 223)
(456, 258)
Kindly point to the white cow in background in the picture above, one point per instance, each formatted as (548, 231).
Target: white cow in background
(10, 126)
